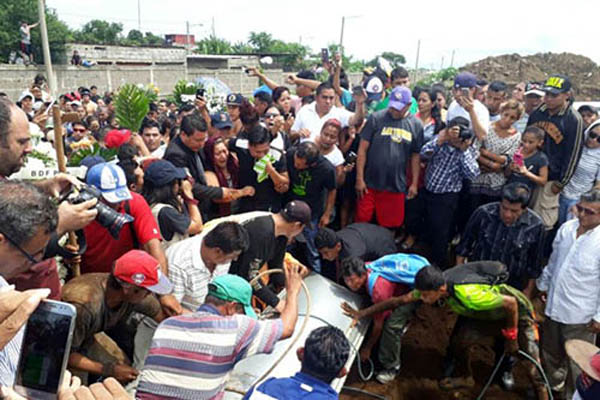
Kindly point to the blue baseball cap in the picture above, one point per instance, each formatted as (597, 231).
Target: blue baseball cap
(234, 99)
(221, 120)
(400, 97)
(465, 80)
(110, 180)
(162, 172)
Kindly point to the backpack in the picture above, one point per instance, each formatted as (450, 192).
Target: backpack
(397, 268)
(481, 272)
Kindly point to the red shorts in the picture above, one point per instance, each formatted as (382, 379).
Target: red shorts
(388, 207)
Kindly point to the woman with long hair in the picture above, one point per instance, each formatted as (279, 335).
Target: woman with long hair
(169, 194)
(223, 170)
(282, 97)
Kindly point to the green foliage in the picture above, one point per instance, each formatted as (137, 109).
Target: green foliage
(96, 150)
(131, 106)
(99, 32)
(12, 12)
(183, 87)
(214, 45)
(444, 76)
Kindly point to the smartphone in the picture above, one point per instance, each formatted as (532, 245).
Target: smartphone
(45, 350)
(350, 158)
(325, 55)
(465, 92)
(357, 90)
(518, 158)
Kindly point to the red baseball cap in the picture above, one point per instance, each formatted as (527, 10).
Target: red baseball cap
(117, 137)
(141, 269)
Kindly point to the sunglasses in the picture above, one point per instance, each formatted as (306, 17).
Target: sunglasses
(29, 257)
(585, 211)
(593, 135)
(79, 130)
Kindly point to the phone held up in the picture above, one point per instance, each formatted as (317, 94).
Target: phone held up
(350, 158)
(324, 55)
(45, 350)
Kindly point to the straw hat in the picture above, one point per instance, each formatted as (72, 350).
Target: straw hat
(586, 356)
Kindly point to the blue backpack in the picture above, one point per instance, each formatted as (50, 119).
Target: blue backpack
(397, 268)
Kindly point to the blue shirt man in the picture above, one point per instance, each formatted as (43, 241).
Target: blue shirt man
(323, 359)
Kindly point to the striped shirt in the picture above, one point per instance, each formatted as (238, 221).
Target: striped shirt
(448, 166)
(192, 355)
(189, 274)
(586, 174)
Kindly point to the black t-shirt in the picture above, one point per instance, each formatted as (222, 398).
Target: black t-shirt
(264, 248)
(533, 163)
(366, 241)
(265, 198)
(171, 221)
(392, 141)
(311, 184)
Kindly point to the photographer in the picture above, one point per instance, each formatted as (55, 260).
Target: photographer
(452, 159)
(143, 232)
(27, 220)
(15, 145)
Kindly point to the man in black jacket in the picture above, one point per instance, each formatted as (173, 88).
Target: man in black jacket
(563, 143)
(185, 151)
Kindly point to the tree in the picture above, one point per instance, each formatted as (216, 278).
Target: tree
(12, 12)
(261, 42)
(100, 32)
(394, 58)
(152, 39)
(214, 45)
(135, 37)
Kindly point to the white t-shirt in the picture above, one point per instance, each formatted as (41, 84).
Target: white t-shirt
(483, 115)
(307, 118)
(335, 157)
(159, 152)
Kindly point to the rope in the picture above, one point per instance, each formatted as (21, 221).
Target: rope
(528, 357)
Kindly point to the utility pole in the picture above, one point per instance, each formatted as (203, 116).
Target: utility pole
(417, 61)
(452, 59)
(214, 32)
(187, 37)
(46, 48)
(341, 49)
(139, 17)
(442, 63)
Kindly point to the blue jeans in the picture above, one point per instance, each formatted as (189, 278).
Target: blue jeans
(314, 261)
(564, 205)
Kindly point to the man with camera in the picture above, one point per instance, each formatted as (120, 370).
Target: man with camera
(451, 160)
(27, 220)
(390, 140)
(125, 222)
(465, 105)
(15, 145)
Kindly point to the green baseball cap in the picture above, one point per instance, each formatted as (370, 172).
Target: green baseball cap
(233, 288)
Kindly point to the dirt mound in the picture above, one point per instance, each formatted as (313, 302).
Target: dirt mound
(513, 68)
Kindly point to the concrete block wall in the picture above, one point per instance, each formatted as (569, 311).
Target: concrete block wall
(15, 78)
(126, 53)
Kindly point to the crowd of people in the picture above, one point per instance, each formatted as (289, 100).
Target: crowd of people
(347, 182)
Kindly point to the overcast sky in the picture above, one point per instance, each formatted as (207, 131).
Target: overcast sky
(475, 29)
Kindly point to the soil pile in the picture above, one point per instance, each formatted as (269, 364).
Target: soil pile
(513, 68)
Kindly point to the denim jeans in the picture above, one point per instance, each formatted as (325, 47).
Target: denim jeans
(564, 205)
(312, 255)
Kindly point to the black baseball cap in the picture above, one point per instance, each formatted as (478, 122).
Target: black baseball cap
(557, 84)
(297, 211)
(234, 99)
(162, 172)
(588, 108)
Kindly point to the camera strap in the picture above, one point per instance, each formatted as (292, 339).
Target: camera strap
(61, 251)
(136, 242)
